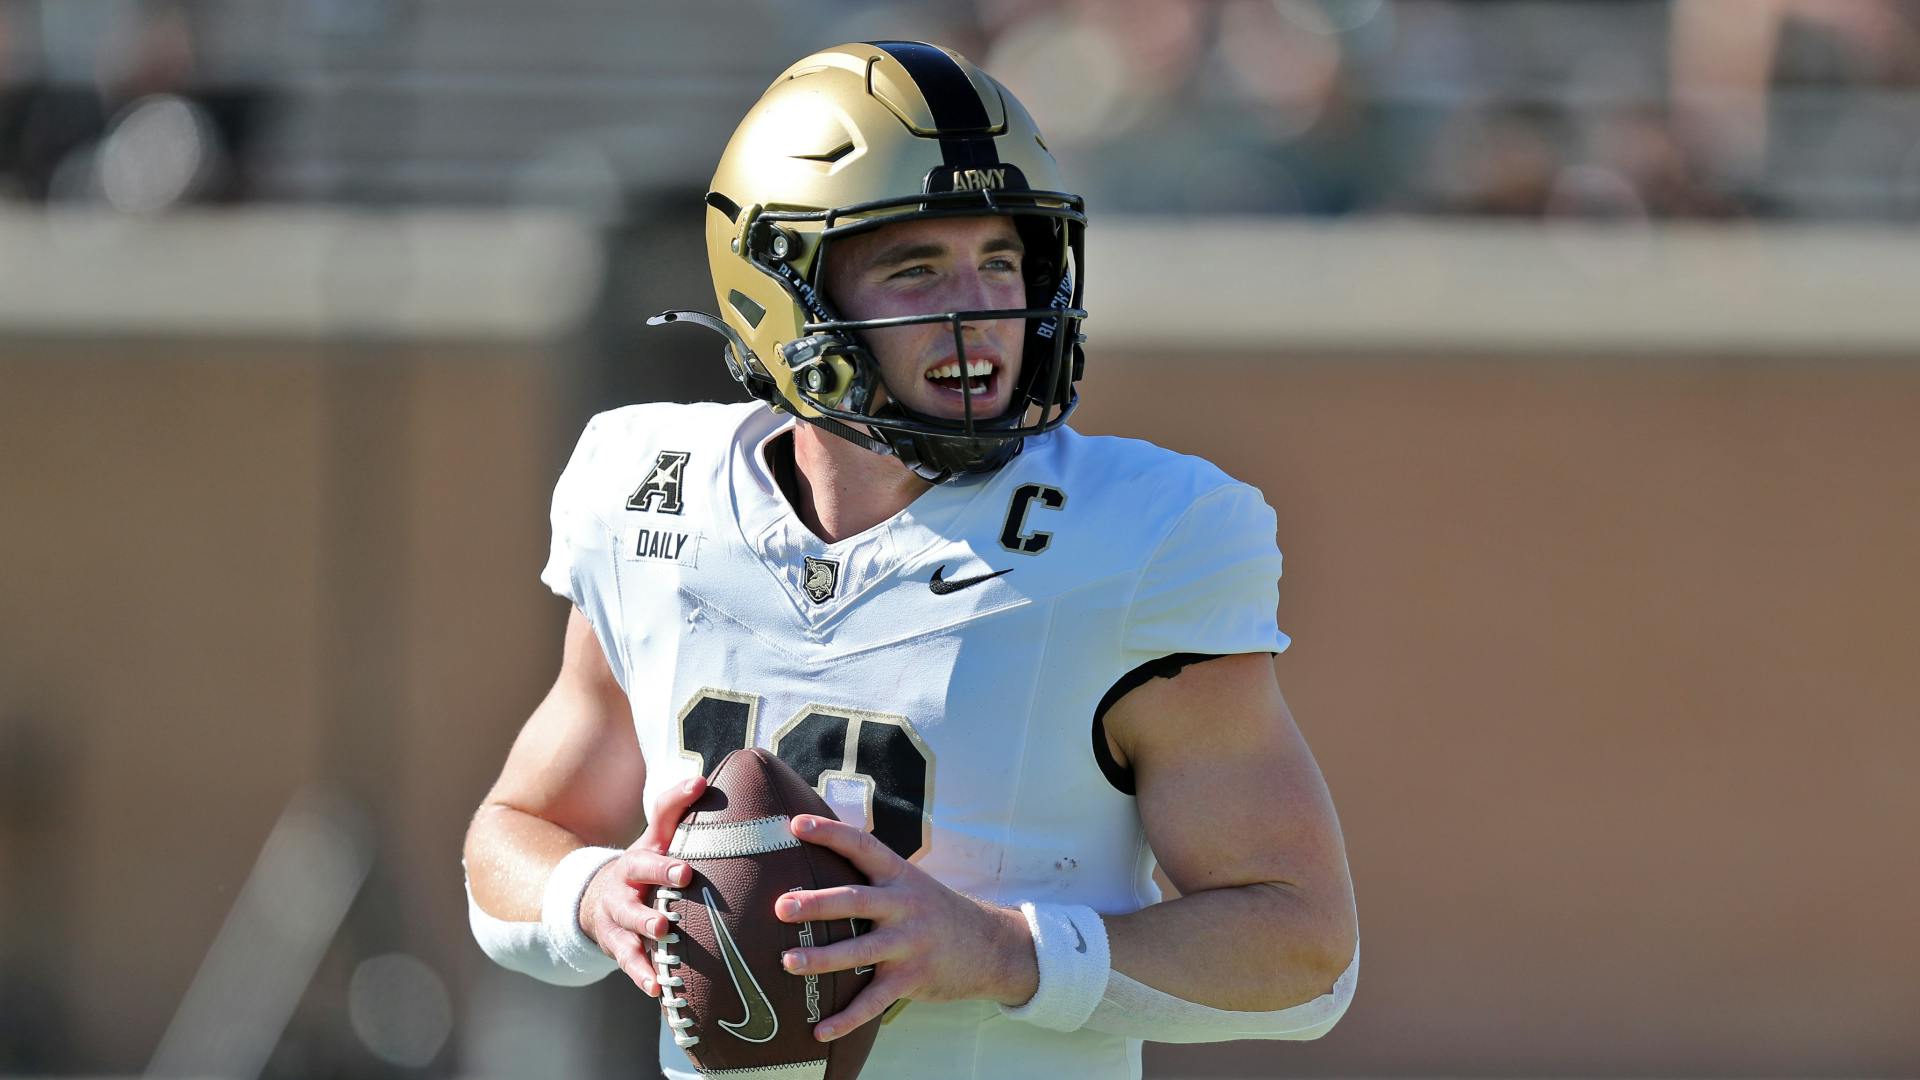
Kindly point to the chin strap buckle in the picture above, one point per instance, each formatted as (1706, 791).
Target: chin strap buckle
(824, 369)
(809, 360)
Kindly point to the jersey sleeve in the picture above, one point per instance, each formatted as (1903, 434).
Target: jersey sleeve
(1213, 584)
(580, 565)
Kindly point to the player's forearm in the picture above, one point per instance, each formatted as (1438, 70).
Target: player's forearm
(1250, 948)
(509, 855)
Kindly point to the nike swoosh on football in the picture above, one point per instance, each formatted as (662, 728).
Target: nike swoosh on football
(760, 1023)
(942, 586)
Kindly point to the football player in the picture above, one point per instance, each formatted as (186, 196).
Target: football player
(1024, 665)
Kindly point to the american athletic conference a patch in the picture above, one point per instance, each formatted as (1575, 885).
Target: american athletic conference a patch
(660, 491)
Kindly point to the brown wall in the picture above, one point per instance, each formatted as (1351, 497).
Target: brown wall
(1604, 659)
(233, 571)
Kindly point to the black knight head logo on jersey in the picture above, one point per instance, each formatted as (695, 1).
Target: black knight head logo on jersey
(821, 577)
(661, 489)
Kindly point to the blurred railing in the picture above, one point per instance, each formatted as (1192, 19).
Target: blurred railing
(1403, 286)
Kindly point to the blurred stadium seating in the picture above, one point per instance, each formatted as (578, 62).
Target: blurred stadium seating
(1782, 108)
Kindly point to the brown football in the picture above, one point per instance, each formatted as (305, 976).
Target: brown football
(735, 1007)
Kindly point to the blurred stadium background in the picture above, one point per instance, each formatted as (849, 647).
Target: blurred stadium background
(1575, 344)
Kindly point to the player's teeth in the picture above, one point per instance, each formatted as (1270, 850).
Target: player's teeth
(951, 369)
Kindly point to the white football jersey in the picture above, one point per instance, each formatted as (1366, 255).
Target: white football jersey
(936, 676)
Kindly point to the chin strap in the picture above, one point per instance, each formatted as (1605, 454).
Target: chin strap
(745, 368)
(847, 432)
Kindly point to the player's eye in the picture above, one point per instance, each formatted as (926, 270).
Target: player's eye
(911, 272)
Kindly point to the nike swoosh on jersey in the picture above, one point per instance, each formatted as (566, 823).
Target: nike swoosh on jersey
(942, 586)
(760, 1023)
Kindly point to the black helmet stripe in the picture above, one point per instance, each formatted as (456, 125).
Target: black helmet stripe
(951, 99)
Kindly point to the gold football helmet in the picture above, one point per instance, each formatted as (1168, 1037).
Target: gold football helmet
(851, 139)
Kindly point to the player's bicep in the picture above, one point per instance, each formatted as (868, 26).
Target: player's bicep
(1229, 792)
(576, 762)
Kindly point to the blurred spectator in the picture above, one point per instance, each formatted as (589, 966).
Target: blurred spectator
(1508, 109)
(132, 125)
(1643, 148)
(1777, 94)
(1178, 106)
(1501, 163)
(1725, 58)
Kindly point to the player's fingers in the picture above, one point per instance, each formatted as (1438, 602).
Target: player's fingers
(840, 902)
(664, 815)
(629, 913)
(865, 950)
(879, 995)
(868, 855)
(630, 953)
(641, 869)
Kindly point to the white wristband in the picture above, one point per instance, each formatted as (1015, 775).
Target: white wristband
(1070, 943)
(554, 949)
(560, 910)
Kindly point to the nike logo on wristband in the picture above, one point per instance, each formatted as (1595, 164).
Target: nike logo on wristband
(1079, 943)
(942, 586)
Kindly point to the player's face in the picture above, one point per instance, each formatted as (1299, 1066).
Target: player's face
(922, 267)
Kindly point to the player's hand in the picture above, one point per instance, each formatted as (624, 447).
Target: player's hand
(927, 941)
(616, 911)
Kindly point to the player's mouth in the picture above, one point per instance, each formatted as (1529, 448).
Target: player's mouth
(980, 380)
